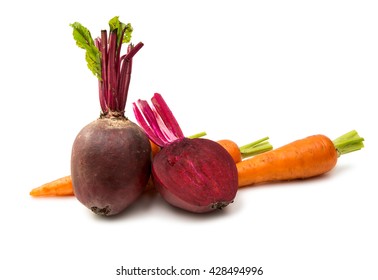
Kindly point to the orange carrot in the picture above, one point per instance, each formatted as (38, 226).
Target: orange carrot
(63, 186)
(59, 187)
(305, 158)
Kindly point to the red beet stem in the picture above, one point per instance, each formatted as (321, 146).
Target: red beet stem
(125, 75)
(151, 119)
(157, 121)
(102, 45)
(142, 122)
(166, 115)
(115, 73)
(112, 72)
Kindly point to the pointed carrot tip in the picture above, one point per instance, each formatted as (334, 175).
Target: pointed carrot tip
(35, 192)
(58, 187)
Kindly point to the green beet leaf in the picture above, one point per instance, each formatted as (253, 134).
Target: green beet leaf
(85, 41)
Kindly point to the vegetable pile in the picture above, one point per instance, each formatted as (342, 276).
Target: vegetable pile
(115, 160)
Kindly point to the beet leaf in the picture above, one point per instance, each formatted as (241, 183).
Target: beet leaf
(84, 40)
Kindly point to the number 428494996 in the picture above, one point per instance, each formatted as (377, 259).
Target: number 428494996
(235, 270)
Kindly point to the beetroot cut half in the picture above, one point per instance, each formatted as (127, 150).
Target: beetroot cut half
(197, 175)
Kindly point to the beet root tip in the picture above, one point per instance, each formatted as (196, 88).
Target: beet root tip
(220, 204)
(101, 211)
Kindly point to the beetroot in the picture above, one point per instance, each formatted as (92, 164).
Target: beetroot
(197, 175)
(111, 156)
(110, 165)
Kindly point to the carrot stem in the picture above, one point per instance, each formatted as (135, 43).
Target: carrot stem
(197, 135)
(251, 149)
(348, 142)
(257, 147)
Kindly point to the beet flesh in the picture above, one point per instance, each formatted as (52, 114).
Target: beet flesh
(110, 165)
(197, 175)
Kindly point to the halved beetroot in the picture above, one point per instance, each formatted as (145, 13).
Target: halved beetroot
(197, 175)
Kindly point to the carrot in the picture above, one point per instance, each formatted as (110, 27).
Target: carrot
(58, 187)
(63, 186)
(305, 158)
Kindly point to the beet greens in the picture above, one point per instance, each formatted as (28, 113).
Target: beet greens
(104, 59)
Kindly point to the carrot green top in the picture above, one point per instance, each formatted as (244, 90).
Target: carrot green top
(348, 142)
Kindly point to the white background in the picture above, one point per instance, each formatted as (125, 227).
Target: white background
(240, 70)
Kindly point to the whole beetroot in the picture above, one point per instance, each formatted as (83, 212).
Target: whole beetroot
(111, 156)
(110, 165)
(197, 175)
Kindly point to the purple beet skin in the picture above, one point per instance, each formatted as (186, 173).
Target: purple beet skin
(110, 165)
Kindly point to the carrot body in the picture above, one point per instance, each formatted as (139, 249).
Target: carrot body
(58, 187)
(300, 159)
